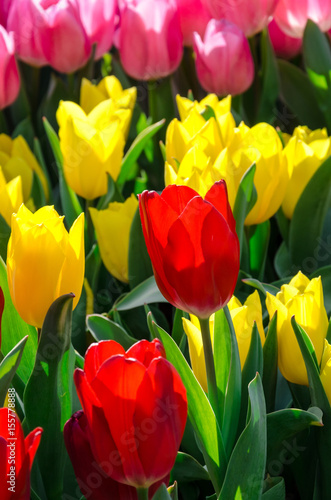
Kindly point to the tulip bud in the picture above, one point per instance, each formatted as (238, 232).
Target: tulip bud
(292, 15)
(9, 76)
(45, 260)
(224, 62)
(151, 42)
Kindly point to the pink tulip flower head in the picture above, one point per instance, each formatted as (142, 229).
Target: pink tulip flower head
(284, 46)
(4, 10)
(193, 16)
(292, 15)
(9, 76)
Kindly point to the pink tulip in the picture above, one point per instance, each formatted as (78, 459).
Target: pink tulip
(49, 32)
(98, 18)
(150, 39)
(224, 62)
(4, 9)
(250, 15)
(292, 15)
(284, 46)
(193, 16)
(9, 76)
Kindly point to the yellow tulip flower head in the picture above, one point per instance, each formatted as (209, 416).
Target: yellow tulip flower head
(11, 196)
(112, 228)
(92, 145)
(302, 298)
(243, 317)
(305, 151)
(44, 261)
(325, 372)
(108, 88)
(17, 159)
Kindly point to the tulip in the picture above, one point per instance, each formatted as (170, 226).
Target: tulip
(92, 145)
(193, 246)
(243, 318)
(137, 444)
(292, 15)
(250, 16)
(98, 18)
(11, 197)
(43, 261)
(17, 159)
(49, 32)
(4, 10)
(150, 39)
(303, 299)
(193, 16)
(325, 372)
(12, 438)
(79, 449)
(9, 76)
(109, 224)
(305, 152)
(224, 63)
(220, 107)
(284, 46)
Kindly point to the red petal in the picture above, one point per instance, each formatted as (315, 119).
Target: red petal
(218, 196)
(145, 351)
(177, 197)
(96, 354)
(32, 441)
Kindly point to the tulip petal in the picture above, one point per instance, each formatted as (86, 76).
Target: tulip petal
(218, 197)
(97, 353)
(145, 351)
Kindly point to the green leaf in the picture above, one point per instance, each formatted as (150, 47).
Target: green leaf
(200, 412)
(113, 194)
(187, 469)
(325, 273)
(270, 364)
(70, 203)
(8, 367)
(246, 469)
(136, 149)
(270, 81)
(103, 328)
(259, 237)
(145, 293)
(283, 265)
(37, 192)
(14, 329)
(5, 232)
(262, 287)
(140, 267)
(309, 237)
(48, 394)
(178, 332)
(162, 493)
(296, 89)
(274, 488)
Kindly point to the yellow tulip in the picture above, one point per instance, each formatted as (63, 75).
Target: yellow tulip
(325, 372)
(112, 228)
(11, 197)
(220, 107)
(243, 318)
(92, 146)
(44, 261)
(305, 151)
(303, 299)
(108, 88)
(17, 159)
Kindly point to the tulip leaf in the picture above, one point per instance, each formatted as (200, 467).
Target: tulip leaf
(309, 244)
(200, 412)
(274, 489)
(136, 149)
(262, 287)
(259, 237)
(140, 267)
(187, 469)
(270, 81)
(48, 393)
(113, 194)
(325, 273)
(8, 367)
(103, 328)
(70, 203)
(283, 265)
(37, 192)
(296, 88)
(246, 469)
(162, 493)
(270, 364)
(41, 160)
(4, 238)
(14, 329)
(146, 292)
(178, 332)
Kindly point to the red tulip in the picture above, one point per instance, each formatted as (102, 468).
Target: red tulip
(136, 408)
(193, 246)
(16, 456)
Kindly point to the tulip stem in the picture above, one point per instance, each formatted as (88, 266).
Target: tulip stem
(142, 493)
(210, 367)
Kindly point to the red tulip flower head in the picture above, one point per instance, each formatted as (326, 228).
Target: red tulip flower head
(193, 246)
(17, 452)
(136, 407)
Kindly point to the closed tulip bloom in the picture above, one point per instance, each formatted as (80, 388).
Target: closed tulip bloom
(303, 299)
(11, 434)
(109, 224)
(305, 152)
(325, 372)
(193, 246)
(193, 17)
(141, 438)
(224, 62)
(284, 46)
(292, 15)
(50, 32)
(92, 145)
(243, 318)
(108, 88)
(11, 196)
(9, 76)
(45, 260)
(150, 40)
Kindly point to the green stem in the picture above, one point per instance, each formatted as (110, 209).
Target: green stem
(89, 235)
(210, 367)
(142, 493)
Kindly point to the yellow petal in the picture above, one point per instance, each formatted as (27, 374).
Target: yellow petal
(197, 356)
